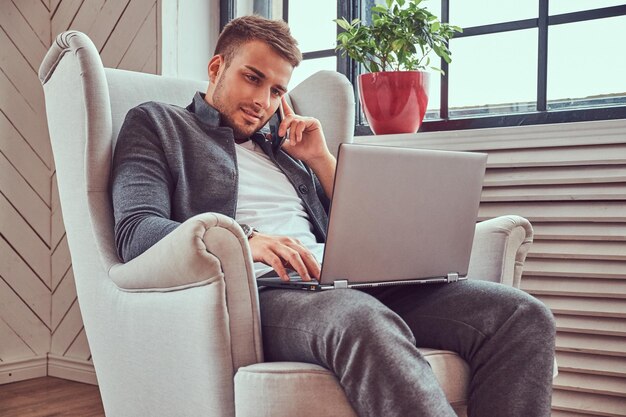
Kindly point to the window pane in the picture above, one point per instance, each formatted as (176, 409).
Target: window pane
(468, 13)
(586, 65)
(311, 23)
(566, 6)
(494, 73)
(311, 66)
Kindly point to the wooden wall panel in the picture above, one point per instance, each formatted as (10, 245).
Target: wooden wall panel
(570, 182)
(39, 313)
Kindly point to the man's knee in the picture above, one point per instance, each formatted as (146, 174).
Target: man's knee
(536, 314)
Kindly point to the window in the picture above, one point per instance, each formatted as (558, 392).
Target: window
(311, 23)
(516, 62)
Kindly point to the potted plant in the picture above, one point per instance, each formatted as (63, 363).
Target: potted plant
(394, 48)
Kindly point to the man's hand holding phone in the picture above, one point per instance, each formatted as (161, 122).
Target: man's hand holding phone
(303, 136)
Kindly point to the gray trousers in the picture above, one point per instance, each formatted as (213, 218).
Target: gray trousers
(368, 339)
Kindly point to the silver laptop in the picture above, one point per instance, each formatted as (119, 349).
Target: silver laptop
(398, 216)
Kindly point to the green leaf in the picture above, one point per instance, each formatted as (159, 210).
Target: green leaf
(439, 70)
(435, 27)
(343, 23)
(401, 3)
(397, 44)
(379, 9)
(389, 3)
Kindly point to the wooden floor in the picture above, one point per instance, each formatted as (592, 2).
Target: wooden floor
(50, 397)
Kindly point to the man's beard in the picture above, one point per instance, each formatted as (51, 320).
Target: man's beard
(239, 132)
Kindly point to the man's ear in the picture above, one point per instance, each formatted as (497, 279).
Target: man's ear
(216, 65)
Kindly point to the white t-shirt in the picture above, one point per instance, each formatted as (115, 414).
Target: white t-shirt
(268, 202)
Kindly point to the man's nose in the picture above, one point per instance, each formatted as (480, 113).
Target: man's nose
(263, 98)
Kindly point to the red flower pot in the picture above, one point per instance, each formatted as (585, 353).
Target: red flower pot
(394, 102)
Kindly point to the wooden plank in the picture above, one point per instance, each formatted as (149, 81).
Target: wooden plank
(504, 177)
(125, 31)
(577, 287)
(62, 299)
(591, 325)
(559, 413)
(66, 331)
(12, 346)
(37, 16)
(19, 71)
(48, 397)
(591, 364)
(23, 239)
(590, 307)
(17, 28)
(575, 211)
(574, 268)
(23, 321)
(79, 348)
(575, 192)
(596, 384)
(64, 15)
(24, 282)
(580, 231)
(24, 199)
(597, 405)
(595, 344)
(87, 15)
(106, 21)
(561, 156)
(151, 66)
(61, 262)
(54, 5)
(558, 249)
(142, 46)
(24, 159)
(27, 122)
(56, 217)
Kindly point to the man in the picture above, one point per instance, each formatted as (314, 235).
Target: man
(172, 163)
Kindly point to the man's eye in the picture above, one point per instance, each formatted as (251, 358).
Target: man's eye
(276, 93)
(253, 78)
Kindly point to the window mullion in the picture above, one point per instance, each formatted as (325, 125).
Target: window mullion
(542, 59)
(444, 102)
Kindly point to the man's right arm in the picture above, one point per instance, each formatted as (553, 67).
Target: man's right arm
(141, 186)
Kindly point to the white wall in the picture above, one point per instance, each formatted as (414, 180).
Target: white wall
(189, 33)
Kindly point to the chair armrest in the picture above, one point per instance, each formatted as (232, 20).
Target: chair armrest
(499, 249)
(205, 249)
(181, 259)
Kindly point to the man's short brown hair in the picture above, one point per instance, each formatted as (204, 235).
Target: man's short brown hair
(244, 29)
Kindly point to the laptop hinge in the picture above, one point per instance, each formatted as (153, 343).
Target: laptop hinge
(453, 276)
(342, 283)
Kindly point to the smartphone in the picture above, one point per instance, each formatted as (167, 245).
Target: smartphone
(274, 123)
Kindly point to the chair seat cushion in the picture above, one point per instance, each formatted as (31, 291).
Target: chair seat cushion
(280, 389)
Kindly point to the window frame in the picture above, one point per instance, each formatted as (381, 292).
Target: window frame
(352, 8)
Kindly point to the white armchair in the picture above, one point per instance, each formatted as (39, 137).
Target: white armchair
(176, 332)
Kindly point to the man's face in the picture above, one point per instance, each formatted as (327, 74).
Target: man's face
(248, 92)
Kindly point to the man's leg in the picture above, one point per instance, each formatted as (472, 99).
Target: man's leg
(369, 347)
(505, 335)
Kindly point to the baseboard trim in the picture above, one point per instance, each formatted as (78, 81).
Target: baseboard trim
(23, 369)
(72, 369)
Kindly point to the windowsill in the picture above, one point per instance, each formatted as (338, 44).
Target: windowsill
(510, 137)
(515, 120)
